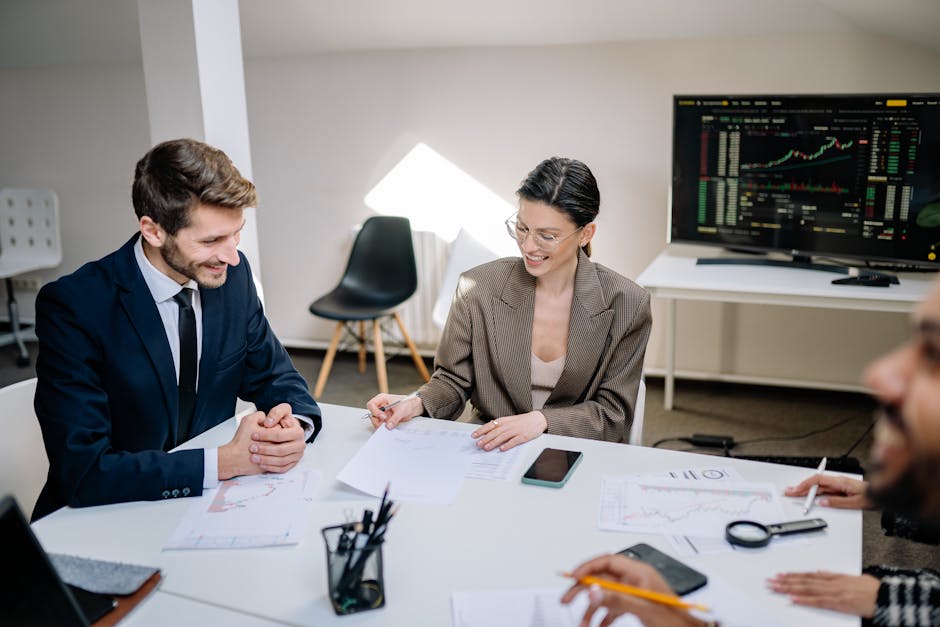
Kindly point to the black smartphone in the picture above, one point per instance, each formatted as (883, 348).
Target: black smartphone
(552, 468)
(681, 578)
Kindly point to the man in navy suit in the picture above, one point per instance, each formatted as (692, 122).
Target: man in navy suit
(151, 345)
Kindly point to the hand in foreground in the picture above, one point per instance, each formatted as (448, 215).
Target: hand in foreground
(510, 431)
(841, 492)
(629, 571)
(403, 412)
(850, 594)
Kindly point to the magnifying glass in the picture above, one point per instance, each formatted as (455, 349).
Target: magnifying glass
(752, 535)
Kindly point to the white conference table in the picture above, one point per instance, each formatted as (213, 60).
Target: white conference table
(165, 608)
(498, 535)
(674, 275)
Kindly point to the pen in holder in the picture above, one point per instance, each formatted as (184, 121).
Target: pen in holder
(354, 560)
(353, 569)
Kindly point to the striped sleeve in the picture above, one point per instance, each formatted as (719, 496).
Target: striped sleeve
(906, 598)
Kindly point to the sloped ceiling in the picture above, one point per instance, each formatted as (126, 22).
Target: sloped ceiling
(60, 32)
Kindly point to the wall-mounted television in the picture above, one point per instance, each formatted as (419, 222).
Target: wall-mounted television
(834, 176)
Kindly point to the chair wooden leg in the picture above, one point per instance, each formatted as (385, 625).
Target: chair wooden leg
(362, 347)
(328, 360)
(380, 357)
(419, 362)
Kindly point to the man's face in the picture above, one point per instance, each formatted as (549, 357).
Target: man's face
(907, 443)
(203, 250)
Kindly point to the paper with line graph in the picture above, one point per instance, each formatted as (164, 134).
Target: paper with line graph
(684, 507)
(250, 511)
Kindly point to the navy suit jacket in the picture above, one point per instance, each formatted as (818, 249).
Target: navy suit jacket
(107, 397)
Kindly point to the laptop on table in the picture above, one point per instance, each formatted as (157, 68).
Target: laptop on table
(34, 594)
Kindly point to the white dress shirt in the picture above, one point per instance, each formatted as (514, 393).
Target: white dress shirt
(163, 289)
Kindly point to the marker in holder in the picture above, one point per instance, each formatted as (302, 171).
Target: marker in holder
(353, 569)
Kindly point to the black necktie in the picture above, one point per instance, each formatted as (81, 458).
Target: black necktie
(187, 381)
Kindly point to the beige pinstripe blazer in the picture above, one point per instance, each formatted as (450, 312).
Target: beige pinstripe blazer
(486, 347)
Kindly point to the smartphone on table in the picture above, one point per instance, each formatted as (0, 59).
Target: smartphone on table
(552, 468)
(681, 578)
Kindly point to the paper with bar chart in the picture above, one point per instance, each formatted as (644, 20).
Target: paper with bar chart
(687, 507)
(251, 511)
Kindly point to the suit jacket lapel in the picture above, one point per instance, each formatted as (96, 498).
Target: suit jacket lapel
(513, 313)
(142, 312)
(587, 335)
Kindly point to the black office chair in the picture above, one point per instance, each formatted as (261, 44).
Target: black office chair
(379, 277)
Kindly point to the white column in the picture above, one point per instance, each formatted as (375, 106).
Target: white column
(195, 82)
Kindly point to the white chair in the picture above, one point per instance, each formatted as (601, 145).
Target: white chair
(636, 429)
(23, 461)
(29, 241)
(466, 252)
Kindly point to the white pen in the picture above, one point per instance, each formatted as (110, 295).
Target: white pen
(390, 405)
(808, 505)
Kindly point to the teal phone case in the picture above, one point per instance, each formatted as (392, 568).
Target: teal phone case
(554, 484)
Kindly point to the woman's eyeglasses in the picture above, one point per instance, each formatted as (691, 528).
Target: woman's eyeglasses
(545, 241)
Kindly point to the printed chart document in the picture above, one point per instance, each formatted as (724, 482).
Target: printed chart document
(423, 465)
(705, 475)
(691, 545)
(520, 608)
(245, 512)
(689, 507)
(541, 608)
(688, 546)
(495, 464)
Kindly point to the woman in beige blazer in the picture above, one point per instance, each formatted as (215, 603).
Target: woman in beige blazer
(549, 342)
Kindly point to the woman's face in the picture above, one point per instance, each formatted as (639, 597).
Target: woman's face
(548, 239)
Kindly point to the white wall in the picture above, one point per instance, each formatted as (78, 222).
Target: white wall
(325, 129)
(79, 131)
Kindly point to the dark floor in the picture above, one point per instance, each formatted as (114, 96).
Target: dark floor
(765, 420)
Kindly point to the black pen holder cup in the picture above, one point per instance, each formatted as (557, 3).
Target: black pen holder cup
(353, 571)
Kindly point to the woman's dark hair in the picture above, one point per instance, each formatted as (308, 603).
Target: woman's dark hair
(567, 185)
(177, 175)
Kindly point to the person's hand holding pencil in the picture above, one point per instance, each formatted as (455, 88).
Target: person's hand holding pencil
(391, 409)
(641, 591)
(836, 491)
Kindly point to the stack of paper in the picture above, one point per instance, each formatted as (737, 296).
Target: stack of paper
(542, 608)
(425, 465)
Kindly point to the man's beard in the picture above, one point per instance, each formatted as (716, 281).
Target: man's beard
(171, 255)
(915, 493)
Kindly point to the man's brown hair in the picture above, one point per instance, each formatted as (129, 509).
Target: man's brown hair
(177, 175)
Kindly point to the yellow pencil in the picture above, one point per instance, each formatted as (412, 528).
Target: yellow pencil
(649, 595)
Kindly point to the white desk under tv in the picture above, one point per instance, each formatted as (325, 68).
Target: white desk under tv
(674, 275)
(498, 535)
